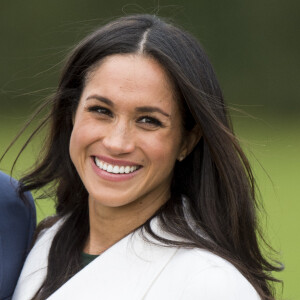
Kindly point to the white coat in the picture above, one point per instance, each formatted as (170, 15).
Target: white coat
(134, 269)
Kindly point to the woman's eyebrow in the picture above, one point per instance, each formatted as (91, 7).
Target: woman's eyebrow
(143, 109)
(150, 109)
(101, 99)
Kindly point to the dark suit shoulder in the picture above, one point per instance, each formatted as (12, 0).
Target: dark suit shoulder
(17, 224)
(9, 193)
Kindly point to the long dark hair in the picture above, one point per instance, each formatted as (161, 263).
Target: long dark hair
(215, 177)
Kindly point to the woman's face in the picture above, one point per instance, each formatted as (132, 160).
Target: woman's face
(127, 133)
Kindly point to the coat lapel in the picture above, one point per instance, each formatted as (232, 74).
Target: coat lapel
(125, 271)
(35, 268)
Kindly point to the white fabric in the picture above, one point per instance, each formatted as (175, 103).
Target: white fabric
(134, 269)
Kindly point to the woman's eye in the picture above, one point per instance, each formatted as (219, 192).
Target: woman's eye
(150, 121)
(100, 110)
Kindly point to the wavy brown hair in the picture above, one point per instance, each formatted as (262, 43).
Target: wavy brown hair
(215, 177)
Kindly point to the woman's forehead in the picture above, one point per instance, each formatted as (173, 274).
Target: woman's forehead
(130, 77)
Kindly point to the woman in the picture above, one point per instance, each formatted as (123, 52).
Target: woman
(155, 198)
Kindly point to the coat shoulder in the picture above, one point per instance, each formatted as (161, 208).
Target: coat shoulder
(9, 195)
(17, 224)
(200, 274)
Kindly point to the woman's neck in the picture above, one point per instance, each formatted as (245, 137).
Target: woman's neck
(108, 225)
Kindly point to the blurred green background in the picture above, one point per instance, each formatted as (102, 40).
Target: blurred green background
(254, 47)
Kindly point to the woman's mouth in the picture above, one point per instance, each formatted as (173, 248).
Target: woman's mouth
(115, 169)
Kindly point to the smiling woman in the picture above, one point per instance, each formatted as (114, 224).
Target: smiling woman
(119, 145)
(155, 198)
(120, 134)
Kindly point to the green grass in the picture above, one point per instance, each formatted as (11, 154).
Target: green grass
(273, 147)
(276, 146)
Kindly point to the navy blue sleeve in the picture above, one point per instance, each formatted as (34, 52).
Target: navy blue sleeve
(17, 225)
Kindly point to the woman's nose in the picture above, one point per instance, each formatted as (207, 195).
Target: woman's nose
(118, 139)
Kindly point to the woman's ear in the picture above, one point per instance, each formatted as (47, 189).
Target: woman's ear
(190, 141)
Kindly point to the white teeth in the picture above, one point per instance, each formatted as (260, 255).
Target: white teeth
(113, 168)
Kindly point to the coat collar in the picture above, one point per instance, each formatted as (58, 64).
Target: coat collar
(125, 271)
(35, 268)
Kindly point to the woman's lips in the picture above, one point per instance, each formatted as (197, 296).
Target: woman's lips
(114, 170)
(116, 161)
